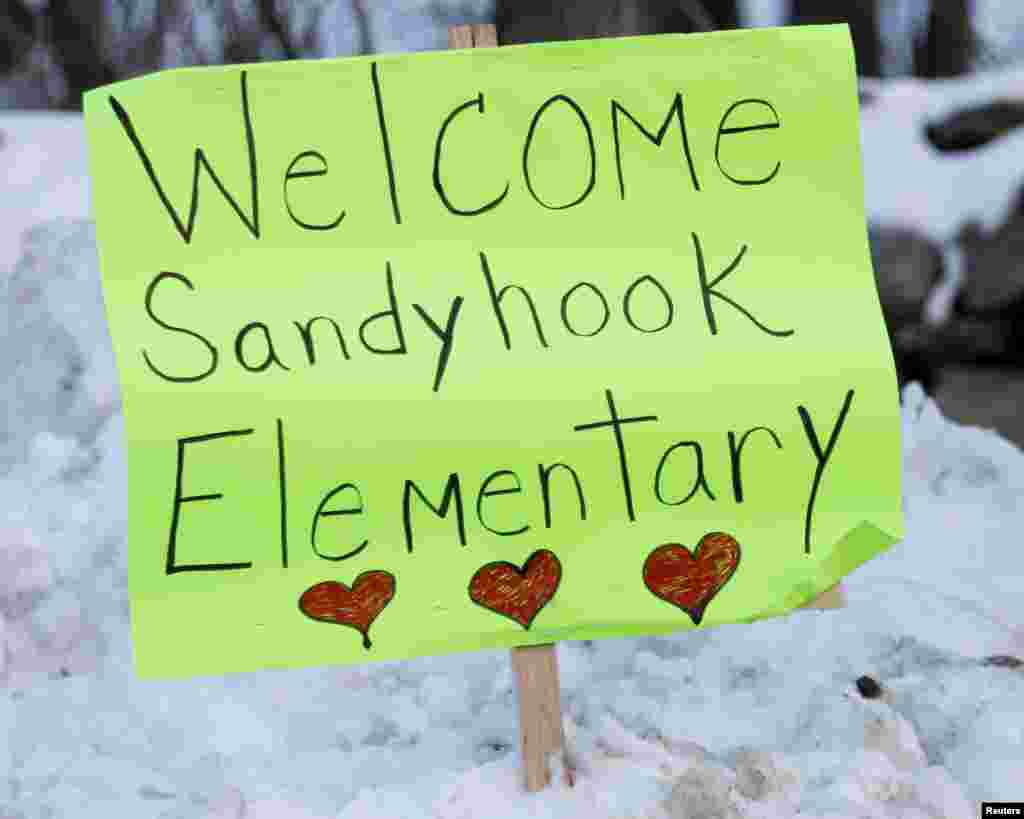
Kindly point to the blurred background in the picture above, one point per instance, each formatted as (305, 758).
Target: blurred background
(942, 104)
(53, 50)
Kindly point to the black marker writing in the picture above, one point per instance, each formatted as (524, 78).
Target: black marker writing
(707, 290)
(616, 423)
(149, 311)
(322, 512)
(722, 131)
(822, 457)
(172, 566)
(451, 491)
(478, 102)
(656, 139)
(305, 173)
(252, 223)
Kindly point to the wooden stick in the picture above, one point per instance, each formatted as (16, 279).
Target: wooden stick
(831, 599)
(476, 36)
(535, 667)
(540, 714)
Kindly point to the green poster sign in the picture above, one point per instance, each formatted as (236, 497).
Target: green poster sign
(477, 349)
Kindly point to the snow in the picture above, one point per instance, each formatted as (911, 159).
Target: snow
(44, 174)
(909, 183)
(760, 720)
(999, 22)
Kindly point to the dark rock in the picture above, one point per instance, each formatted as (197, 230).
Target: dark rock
(973, 127)
(963, 340)
(149, 792)
(913, 365)
(994, 274)
(907, 265)
(1003, 661)
(869, 688)
(491, 749)
(984, 397)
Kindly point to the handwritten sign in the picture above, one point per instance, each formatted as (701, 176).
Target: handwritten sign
(487, 348)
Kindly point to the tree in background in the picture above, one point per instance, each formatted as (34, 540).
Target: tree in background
(93, 42)
(532, 21)
(862, 19)
(51, 51)
(17, 34)
(942, 44)
(951, 44)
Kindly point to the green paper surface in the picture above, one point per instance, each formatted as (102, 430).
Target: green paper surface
(364, 331)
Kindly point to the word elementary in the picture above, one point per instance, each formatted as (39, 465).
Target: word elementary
(667, 472)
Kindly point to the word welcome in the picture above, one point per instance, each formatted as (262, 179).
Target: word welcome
(312, 163)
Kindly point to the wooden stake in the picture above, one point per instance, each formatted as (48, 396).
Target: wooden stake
(831, 599)
(540, 714)
(476, 36)
(535, 667)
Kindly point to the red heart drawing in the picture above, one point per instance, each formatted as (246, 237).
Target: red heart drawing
(691, 581)
(518, 594)
(334, 602)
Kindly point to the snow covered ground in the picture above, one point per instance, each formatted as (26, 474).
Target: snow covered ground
(761, 720)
